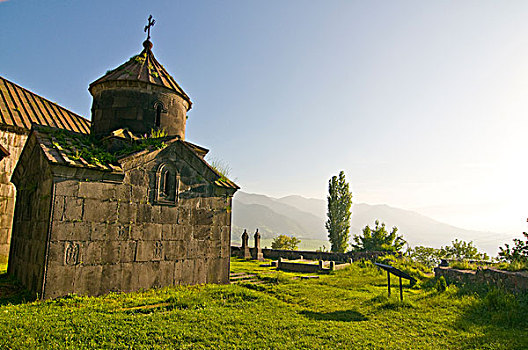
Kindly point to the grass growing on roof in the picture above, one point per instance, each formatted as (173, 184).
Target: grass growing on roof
(91, 150)
(347, 309)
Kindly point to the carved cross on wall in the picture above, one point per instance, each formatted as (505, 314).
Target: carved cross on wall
(150, 24)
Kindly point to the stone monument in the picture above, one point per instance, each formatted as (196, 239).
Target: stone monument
(258, 249)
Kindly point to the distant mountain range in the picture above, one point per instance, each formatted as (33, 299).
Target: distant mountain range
(305, 218)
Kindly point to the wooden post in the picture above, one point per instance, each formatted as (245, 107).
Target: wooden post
(401, 290)
(388, 282)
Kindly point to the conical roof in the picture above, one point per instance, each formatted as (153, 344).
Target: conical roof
(143, 67)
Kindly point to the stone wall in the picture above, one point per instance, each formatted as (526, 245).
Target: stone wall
(511, 281)
(115, 236)
(298, 267)
(30, 230)
(311, 255)
(136, 105)
(13, 140)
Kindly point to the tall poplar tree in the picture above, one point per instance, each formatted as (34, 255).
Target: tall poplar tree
(339, 204)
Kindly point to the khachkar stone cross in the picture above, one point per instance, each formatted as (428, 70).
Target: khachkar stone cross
(245, 246)
(150, 24)
(258, 250)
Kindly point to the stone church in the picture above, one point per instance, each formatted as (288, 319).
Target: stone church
(126, 205)
(19, 110)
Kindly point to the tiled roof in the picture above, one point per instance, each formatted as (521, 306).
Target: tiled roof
(74, 149)
(226, 183)
(221, 181)
(83, 151)
(143, 67)
(20, 107)
(201, 151)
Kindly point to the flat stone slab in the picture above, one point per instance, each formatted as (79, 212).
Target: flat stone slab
(308, 277)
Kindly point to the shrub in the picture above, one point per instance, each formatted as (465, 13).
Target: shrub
(517, 253)
(428, 256)
(441, 284)
(378, 239)
(285, 242)
(462, 265)
(462, 250)
(414, 269)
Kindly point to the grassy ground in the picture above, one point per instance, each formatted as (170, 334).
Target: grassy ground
(346, 309)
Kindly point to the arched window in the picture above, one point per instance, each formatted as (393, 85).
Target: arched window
(167, 183)
(159, 109)
(158, 106)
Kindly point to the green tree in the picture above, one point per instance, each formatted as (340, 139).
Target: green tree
(517, 253)
(426, 255)
(285, 242)
(461, 250)
(378, 239)
(339, 204)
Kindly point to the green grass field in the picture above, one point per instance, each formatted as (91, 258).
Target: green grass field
(347, 309)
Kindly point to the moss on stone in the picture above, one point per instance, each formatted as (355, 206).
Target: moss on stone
(92, 151)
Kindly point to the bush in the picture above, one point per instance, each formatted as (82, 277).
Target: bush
(412, 268)
(462, 265)
(517, 253)
(378, 239)
(513, 266)
(461, 250)
(428, 256)
(285, 242)
(441, 284)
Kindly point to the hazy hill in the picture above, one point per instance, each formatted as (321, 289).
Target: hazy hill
(272, 217)
(305, 217)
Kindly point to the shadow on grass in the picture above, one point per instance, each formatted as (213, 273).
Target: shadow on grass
(12, 292)
(344, 316)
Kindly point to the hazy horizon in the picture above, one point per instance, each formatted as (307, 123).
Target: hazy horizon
(422, 104)
(421, 211)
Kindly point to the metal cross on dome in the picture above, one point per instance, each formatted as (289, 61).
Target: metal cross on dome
(150, 24)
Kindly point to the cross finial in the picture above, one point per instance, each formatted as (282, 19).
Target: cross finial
(150, 24)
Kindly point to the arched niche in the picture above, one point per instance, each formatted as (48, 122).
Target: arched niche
(167, 184)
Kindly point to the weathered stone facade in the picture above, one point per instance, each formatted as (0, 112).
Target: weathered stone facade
(19, 109)
(109, 231)
(140, 95)
(140, 106)
(27, 256)
(13, 140)
(121, 211)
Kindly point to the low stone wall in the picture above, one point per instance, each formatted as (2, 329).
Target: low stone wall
(320, 267)
(510, 281)
(310, 255)
(339, 266)
(298, 267)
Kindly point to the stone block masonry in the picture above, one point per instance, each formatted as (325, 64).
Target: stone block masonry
(131, 206)
(128, 245)
(92, 233)
(13, 140)
(31, 224)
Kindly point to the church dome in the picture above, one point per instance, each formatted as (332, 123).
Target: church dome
(139, 95)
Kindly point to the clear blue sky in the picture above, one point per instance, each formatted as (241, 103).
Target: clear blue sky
(422, 103)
